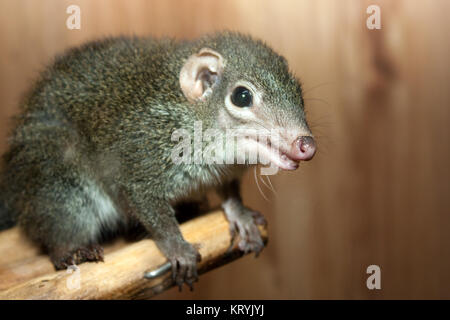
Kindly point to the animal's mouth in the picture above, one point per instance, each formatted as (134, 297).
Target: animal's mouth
(268, 152)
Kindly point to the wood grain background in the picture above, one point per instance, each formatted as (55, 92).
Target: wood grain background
(378, 191)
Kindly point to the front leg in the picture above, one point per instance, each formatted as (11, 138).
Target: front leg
(242, 219)
(158, 217)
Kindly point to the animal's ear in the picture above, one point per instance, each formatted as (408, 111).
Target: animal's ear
(200, 73)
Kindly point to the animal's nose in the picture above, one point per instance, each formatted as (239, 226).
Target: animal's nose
(303, 148)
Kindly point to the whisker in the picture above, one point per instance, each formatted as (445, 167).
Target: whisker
(271, 185)
(257, 184)
(318, 99)
(318, 86)
(262, 180)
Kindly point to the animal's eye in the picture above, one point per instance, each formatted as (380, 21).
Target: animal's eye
(242, 97)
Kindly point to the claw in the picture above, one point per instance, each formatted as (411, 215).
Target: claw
(174, 270)
(63, 259)
(259, 218)
(233, 237)
(183, 265)
(190, 278)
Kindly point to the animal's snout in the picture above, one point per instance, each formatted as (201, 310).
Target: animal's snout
(303, 148)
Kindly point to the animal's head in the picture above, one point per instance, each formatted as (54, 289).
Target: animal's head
(243, 84)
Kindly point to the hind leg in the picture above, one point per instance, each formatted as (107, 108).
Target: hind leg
(54, 192)
(67, 215)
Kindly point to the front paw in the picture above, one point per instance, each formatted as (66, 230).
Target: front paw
(183, 258)
(245, 222)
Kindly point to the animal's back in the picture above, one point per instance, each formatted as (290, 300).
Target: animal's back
(99, 81)
(77, 102)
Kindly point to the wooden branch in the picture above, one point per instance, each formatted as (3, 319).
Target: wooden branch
(26, 275)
